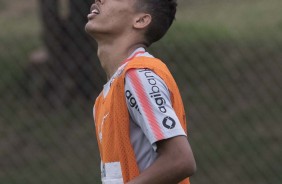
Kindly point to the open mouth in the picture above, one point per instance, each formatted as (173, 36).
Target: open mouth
(95, 9)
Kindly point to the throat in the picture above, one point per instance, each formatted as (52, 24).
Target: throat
(112, 55)
(110, 61)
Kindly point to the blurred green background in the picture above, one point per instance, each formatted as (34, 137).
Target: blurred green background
(225, 55)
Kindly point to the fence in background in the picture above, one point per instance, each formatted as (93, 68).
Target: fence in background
(225, 56)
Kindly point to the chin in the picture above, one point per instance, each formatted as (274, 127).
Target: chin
(88, 28)
(92, 30)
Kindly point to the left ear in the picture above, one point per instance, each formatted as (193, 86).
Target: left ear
(142, 21)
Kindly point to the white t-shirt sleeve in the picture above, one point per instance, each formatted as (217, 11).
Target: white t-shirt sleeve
(149, 105)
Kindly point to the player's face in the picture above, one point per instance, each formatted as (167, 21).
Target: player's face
(111, 17)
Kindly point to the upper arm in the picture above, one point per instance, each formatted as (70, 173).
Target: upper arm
(178, 149)
(149, 105)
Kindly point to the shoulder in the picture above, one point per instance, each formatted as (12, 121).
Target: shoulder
(144, 76)
(147, 88)
(149, 104)
(146, 62)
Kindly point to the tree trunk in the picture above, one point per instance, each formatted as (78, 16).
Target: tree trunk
(72, 68)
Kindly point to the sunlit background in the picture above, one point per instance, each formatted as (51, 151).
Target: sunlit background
(226, 58)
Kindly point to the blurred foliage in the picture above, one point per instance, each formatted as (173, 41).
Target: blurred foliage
(226, 57)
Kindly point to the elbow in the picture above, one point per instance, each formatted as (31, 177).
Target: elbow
(190, 168)
(187, 167)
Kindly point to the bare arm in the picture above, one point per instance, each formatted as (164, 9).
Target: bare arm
(175, 162)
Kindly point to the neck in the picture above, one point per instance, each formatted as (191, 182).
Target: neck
(113, 52)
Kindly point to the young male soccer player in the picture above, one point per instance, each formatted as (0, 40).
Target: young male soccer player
(139, 116)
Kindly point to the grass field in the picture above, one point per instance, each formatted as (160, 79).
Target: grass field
(226, 57)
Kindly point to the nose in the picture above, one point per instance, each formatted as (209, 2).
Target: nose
(99, 1)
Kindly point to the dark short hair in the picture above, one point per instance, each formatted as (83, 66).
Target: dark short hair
(163, 14)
